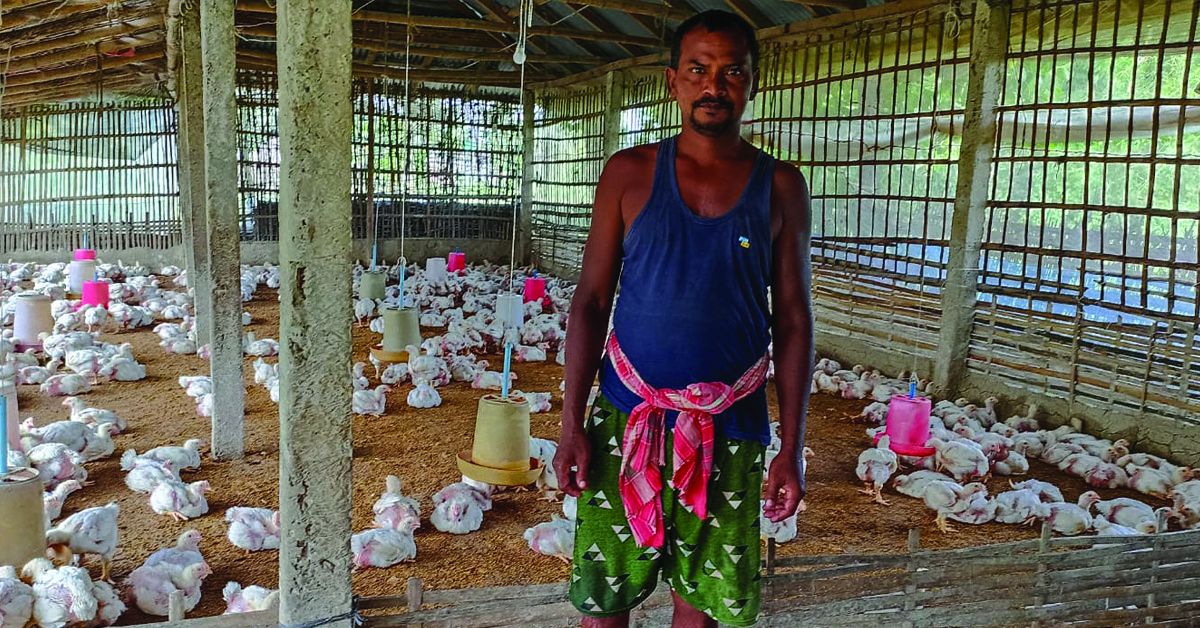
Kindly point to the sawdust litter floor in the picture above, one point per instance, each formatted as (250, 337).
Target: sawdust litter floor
(420, 447)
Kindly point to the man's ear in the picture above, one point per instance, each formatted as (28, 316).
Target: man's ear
(671, 73)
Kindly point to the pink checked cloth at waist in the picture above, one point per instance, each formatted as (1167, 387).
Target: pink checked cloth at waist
(645, 442)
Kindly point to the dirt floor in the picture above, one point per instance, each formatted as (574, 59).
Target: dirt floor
(420, 446)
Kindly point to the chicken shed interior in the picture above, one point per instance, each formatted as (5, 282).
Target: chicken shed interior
(1005, 205)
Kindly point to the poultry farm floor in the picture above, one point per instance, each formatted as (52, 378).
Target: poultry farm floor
(420, 446)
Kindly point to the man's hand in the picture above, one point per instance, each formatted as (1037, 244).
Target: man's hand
(571, 462)
(785, 487)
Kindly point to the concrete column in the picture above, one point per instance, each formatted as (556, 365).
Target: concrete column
(989, 43)
(221, 185)
(524, 224)
(315, 312)
(614, 98)
(189, 83)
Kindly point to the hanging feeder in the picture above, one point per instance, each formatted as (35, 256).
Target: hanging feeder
(372, 285)
(500, 453)
(401, 328)
(31, 318)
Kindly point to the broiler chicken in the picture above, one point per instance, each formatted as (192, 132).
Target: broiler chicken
(52, 502)
(781, 531)
(56, 463)
(1020, 506)
(1046, 491)
(180, 501)
(553, 538)
(492, 380)
(178, 568)
(90, 531)
(424, 396)
(947, 498)
(875, 467)
(372, 402)
(1072, 519)
(394, 510)
(1127, 512)
(253, 529)
(427, 367)
(93, 417)
(382, 547)
(394, 373)
(962, 460)
(16, 599)
(248, 600)
(61, 596)
(145, 474)
(264, 347)
(914, 484)
(77, 437)
(182, 457)
(63, 385)
(457, 515)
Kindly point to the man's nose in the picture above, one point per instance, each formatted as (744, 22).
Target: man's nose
(714, 83)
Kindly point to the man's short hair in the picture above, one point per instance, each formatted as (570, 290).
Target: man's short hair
(714, 21)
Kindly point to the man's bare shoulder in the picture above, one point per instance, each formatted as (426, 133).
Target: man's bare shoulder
(630, 163)
(788, 179)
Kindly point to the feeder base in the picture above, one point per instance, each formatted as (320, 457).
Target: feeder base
(22, 348)
(390, 357)
(500, 477)
(906, 449)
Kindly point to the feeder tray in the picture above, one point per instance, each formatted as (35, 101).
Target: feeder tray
(501, 477)
(905, 449)
(389, 357)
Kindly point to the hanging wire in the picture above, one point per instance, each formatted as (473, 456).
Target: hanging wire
(407, 147)
(519, 57)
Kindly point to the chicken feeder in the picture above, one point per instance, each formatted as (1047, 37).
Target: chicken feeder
(8, 391)
(31, 318)
(81, 270)
(500, 454)
(401, 328)
(371, 285)
(94, 293)
(21, 528)
(908, 426)
(510, 310)
(435, 270)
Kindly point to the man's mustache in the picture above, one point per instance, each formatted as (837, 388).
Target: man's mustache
(724, 104)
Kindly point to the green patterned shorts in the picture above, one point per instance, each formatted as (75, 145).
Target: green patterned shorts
(714, 565)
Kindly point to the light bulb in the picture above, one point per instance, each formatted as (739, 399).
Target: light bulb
(519, 55)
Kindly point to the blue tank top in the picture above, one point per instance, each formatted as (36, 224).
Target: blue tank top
(693, 300)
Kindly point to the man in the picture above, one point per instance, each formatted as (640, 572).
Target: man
(668, 465)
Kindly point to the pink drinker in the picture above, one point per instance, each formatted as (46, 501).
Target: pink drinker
(84, 254)
(908, 425)
(95, 293)
(535, 288)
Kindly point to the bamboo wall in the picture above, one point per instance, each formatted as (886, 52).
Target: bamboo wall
(101, 169)
(1088, 272)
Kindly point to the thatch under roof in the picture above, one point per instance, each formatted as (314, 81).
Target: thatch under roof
(54, 50)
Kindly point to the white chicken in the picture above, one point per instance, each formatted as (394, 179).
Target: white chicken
(914, 484)
(781, 531)
(144, 474)
(553, 538)
(424, 396)
(382, 547)
(372, 402)
(427, 367)
(457, 515)
(16, 599)
(875, 467)
(52, 502)
(539, 402)
(56, 463)
(394, 373)
(394, 510)
(491, 380)
(253, 529)
(183, 457)
(264, 347)
(77, 437)
(61, 596)
(1020, 506)
(81, 413)
(1072, 519)
(1046, 491)
(962, 460)
(248, 600)
(950, 498)
(89, 531)
(62, 385)
(1127, 512)
(547, 481)
(180, 501)
(360, 381)
(264, 372)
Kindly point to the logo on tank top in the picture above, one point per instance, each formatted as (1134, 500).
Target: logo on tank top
(744, 242)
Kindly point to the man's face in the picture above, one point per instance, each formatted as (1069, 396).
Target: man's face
(714, 80)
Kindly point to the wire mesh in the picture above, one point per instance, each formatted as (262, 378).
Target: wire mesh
(1089, 264)
(104, 169)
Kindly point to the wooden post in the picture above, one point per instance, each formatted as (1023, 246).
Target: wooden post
(415, 593)
(224, 239)
(989, 44)
(315, 131)
(614, 98)
(910, 569)
(175, 606)
(1039, 600)
(371, 227)
(524, 224)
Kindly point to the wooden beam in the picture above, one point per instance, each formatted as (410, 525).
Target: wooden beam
(639, 7)
(750, 12)
(601, 23)
(258, 6)
(845, 5)
(266, 61)
(79, 54)
(66, 17)
(74, 88)
(30, 78)
(15, 53)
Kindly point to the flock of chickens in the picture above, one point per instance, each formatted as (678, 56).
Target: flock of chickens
(971, 444)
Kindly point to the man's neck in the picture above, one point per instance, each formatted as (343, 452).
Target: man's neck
(707, 149)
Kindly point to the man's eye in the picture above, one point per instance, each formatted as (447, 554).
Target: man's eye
(735, 71)
(697, 70)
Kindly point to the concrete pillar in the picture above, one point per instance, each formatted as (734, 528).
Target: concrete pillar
(189, 83)
(614, 98)
(315, 312)
(989, 43)
(224, 262)
(524, 224)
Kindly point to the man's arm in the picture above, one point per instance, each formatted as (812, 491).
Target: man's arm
(792, 334)
(587, 322)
